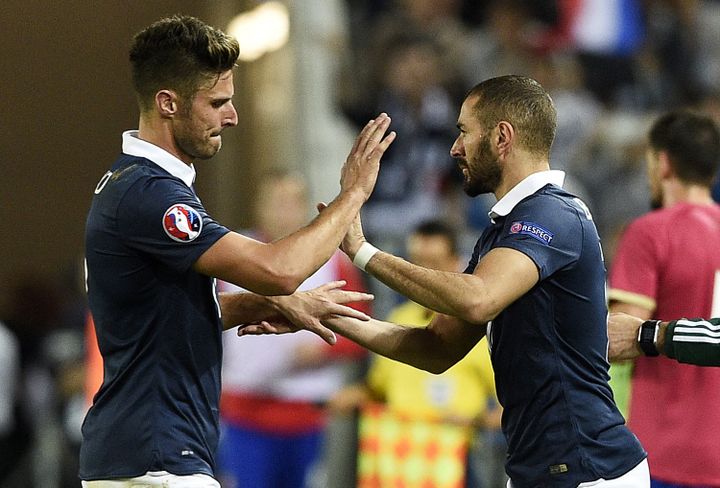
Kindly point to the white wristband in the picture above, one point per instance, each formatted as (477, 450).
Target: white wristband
(364, 254)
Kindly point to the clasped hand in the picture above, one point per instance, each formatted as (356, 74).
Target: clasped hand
(304, 310)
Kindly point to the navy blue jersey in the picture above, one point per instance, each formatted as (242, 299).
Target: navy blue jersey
(549, 349)
(158, 326)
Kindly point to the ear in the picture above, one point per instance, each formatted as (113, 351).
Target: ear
(166, 102)
(505, 137)
(665, 168)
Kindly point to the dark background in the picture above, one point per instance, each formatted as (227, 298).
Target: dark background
(66, 98)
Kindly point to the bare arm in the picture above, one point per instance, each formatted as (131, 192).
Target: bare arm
(501, 277)
(436, 347)
(623, 326)
(304, 308)
(689, 341)
(466, 302)
(279, 267)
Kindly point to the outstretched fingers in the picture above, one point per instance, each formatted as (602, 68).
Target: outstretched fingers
(373, 129)
(345, 311)
(362, 138)
(380, 148)
(260, 328)
(371, 135)
(331, 285)
(323, 332)
(376, 145)
(265, 327)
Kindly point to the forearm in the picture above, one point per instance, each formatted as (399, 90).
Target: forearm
(245, 307)
(306, 250)
(434, 348)
(456, 294)
(624, 327)
(691, 341)
(410, 345)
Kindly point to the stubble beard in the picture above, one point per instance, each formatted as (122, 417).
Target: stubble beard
(484, 172)
(198, 147)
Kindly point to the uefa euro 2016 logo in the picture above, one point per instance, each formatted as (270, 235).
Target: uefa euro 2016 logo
(182, 223)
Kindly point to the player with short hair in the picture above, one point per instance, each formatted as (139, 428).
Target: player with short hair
(666, 266)
(153, 253)
(535, 285)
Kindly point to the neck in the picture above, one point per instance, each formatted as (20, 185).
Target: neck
(517, 169)
(159, 132)
(675, 192)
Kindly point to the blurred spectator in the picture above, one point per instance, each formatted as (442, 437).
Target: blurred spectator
(418, 179)
(578, 110)
(46, 317)
(612, 170)
(661, 271)
(9, 375)
(274, 388)
(417, 169)
(709, 104)
(672, 49)
(452, 405)
(504, 44)
(13, 433)
(605, 35)
(707, 32)
(379, 28)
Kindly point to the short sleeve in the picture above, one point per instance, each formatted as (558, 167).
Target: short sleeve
(163, 218)
(549, 231)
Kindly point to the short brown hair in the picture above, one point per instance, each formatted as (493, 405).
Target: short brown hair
(692, 142)
(179, 53)
(522, 102)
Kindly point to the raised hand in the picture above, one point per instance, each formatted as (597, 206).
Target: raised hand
(304, 310)
(354, 237)
(363, 163)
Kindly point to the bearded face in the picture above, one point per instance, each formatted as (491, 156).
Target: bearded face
(473, 150)
(200, 121)
(481, 169)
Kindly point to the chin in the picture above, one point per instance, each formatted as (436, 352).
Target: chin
(210, 151)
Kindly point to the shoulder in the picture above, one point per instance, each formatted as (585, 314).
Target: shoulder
(553, 200)
(133, 175)
(145, 182)
(551, 208)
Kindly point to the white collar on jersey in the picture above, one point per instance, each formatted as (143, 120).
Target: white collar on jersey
(132, 145)
(525, 188)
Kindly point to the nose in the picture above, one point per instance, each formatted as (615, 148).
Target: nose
(231, 116)
(457, 150)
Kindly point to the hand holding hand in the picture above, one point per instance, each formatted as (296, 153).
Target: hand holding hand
(304, 310)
